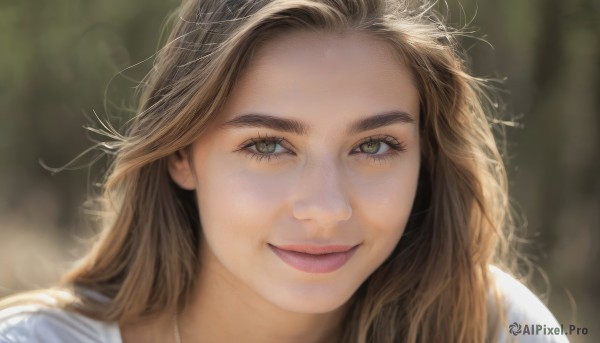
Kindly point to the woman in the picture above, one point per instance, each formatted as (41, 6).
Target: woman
(299, 171)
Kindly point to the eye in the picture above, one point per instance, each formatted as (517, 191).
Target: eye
(379, 145)
(266, 147)
(374, 147)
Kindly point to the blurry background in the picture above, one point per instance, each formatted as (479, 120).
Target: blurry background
(61, 60)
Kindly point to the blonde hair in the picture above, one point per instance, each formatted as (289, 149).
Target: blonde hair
(436, 284)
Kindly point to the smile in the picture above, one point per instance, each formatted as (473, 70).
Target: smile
(315, 259)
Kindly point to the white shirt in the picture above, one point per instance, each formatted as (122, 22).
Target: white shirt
(523, 308)
(42, 324)
(37, 324)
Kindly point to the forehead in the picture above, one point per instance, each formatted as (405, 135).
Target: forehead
(299, 48)
(306, 74)
(316, 54)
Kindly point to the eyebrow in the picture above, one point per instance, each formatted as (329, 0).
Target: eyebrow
(380, 120)
(268, 121)
(299, 128)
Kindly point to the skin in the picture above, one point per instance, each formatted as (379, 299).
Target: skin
(323, 186)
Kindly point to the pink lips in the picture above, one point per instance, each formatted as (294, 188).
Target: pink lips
(315, 259)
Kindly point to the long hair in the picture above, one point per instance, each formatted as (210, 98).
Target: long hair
(434, 287)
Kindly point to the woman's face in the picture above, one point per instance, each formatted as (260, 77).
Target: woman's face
(316, 150)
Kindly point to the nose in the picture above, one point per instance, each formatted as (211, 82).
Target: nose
(321, 195)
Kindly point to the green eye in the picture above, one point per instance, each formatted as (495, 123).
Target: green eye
(370, 147)
(266, 147)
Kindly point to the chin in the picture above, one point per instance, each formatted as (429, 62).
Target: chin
(309, 300)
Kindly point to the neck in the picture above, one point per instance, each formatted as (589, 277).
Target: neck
(222, 310)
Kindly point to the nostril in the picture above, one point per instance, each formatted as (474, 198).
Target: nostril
(324, 212)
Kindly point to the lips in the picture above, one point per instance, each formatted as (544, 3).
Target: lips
(315, 259)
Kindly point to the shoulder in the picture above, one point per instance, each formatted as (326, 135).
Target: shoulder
(43, 324)
(524, 311)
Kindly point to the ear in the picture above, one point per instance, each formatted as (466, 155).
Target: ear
(180, 170)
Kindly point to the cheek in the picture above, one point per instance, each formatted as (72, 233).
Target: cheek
(237, 202)
(385, 204)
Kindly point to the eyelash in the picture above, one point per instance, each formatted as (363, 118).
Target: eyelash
(396, 147)
(244, 147)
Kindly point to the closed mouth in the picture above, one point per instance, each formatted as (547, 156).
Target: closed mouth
(315, 259)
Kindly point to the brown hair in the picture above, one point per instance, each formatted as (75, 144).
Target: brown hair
(436, 284)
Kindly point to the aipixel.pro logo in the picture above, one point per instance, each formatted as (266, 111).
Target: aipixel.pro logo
(539, 329)
(514, 328)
